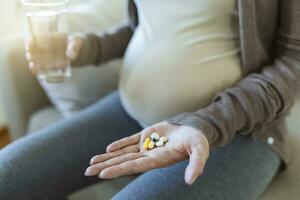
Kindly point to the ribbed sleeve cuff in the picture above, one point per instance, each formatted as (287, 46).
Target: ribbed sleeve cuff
(89, 51)
(188, 119)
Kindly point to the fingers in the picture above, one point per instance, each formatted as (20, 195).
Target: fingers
(106, 156)
(196, 165)
(29, 45)
(130, 167)
(28, 56)
(134, 139)
(147, 132)
(34, 69)
(47, 51)
(97, 168)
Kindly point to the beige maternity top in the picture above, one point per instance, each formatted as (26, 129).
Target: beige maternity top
(178, 47)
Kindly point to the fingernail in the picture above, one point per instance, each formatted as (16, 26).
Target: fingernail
(101, 175)
(28, 56)
(88, 172)
(190, 179)
(104, 175)
(92, 160)
(31, 64)
(108, 149)
(193, 179)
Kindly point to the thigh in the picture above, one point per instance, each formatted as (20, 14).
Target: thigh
(241, 170)
(50, 163)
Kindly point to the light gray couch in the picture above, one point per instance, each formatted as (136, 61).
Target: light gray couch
(27, 107)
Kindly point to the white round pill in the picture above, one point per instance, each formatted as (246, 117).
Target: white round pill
(159, 143)
(155, 136)
(163, 139)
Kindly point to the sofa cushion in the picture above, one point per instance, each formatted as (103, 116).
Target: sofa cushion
(86, 86)
(43, 118)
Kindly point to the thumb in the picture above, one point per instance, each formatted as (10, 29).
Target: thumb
(198, 157)
(75, 43)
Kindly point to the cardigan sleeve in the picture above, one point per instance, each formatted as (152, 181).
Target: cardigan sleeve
(259, 98)
(99, 48)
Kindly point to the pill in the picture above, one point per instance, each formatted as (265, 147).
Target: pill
(151, 145)
(155, 136)
(163, 139)
(159, 143)
(146, 143)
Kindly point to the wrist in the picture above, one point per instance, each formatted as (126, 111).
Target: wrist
(86, 53)
(206, 129)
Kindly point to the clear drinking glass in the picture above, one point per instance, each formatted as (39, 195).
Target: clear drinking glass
(46, 34)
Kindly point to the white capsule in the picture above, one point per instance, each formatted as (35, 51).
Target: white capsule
(163, 139)
(159, 143)
(154, 136)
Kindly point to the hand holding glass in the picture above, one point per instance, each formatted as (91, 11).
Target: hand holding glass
(49, 48)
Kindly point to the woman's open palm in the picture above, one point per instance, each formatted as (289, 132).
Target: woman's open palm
(127, 156)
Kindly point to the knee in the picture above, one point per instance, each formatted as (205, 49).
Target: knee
(7, 180)
(14, 180)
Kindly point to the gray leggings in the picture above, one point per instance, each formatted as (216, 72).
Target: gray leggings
(49, 164)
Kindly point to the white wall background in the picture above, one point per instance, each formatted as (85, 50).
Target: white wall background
(11, 16)
(2, 115)
(10, 24)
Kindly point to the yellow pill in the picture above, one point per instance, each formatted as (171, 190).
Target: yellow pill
(151, 145)
(146, 143)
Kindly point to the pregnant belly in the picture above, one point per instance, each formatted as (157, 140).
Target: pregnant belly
(158, 83)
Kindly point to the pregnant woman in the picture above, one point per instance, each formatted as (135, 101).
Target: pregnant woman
(217, 78)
